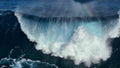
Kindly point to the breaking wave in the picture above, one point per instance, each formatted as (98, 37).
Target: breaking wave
(81, 41)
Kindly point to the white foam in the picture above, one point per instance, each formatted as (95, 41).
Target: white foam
(115, 32)
(22, 63)
(85, 42)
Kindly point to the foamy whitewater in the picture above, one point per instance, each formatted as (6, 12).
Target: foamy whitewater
(21, 62)
(24, 63)
(80, 41)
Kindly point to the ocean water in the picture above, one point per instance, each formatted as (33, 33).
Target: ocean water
(42, 36)
(81, 41)
(19, 51)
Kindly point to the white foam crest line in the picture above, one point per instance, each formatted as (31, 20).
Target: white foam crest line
(19, 62)
(22, 24)
(115, 32)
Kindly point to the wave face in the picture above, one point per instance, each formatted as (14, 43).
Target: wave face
(81, 41)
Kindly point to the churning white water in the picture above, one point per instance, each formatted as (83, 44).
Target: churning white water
(81, 41)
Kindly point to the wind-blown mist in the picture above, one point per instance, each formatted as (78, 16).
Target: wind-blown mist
(80, 41)
(70, 8)
(53, 8)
